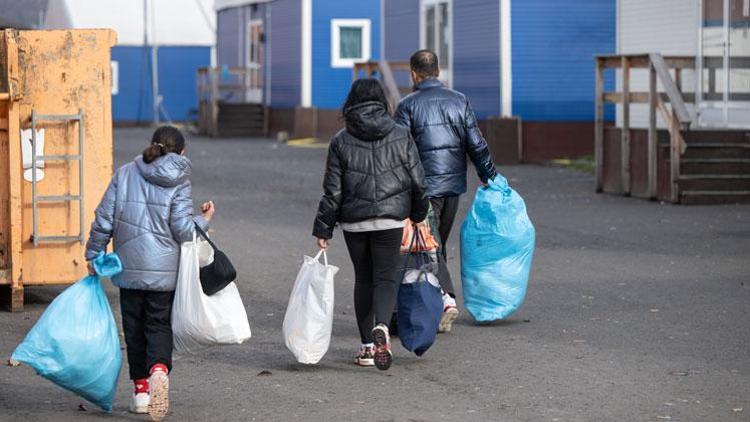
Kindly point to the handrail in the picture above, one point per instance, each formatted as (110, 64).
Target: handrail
(675, 97)
(385, 68)
(676, 117)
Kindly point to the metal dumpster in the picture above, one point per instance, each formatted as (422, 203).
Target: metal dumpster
(55, 152)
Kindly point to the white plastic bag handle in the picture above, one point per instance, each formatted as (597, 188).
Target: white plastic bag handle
(325, 256)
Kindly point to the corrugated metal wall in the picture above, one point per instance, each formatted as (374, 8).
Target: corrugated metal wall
(476, 54)
(330, 85)
(177, 77)
(283, 43)
(401, 29)
(669, 27)
(554, 44)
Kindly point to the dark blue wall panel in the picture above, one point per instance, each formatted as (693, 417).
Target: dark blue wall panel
(177, 77)
(330, 85)
(401, 29)
(476, 54)
(229, 30)
(554, 44)
(283, 43)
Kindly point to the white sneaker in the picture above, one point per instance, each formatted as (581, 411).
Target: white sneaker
(450, 313)
(139, 403)
(158, 406)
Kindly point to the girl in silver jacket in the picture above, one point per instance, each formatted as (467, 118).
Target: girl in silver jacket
(148, 211)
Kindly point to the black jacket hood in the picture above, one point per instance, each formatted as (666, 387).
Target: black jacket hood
(369, 121)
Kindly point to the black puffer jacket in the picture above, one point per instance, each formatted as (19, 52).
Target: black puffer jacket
(373, 171)
(445, 129)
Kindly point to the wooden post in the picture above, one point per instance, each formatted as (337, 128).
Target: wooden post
(625, 134)
(678, 78)
(213, 130)
(14, 174)
(675, 146)
(599, 126)
(653, 143)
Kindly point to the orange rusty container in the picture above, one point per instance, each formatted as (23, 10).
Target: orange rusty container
(58, 82)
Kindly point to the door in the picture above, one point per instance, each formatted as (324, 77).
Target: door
(724, 63)
(437, 33)
(254, 65)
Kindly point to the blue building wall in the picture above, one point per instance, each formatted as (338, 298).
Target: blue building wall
(229, 29)
(283, 43)
(177, 78)
(553, 49)
(401, 29)
(476, 54)
(330, 85)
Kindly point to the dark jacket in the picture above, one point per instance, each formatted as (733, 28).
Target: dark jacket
(444, 127)
(373, 171)
(148, 209)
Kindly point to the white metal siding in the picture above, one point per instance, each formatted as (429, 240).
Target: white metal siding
(669, 27)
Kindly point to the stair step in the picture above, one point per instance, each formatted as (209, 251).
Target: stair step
(714, 182)
(695, 166)
(699, 197)
(718, 150)
(709, 136)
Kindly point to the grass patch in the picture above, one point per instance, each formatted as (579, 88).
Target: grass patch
(585, 164)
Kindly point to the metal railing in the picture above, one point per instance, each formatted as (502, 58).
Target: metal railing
(225, 84)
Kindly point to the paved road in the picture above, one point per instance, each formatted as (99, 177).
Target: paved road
(635, 311)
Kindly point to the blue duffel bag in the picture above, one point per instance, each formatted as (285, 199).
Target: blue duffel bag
(497, 245)
(75, 343)
(420, 304)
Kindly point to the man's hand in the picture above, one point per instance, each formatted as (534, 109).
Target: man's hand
(90, 267)
(207, 210)
(323, 243)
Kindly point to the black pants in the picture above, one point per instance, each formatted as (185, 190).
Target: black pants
(445, 210)
(375, 256)
(147, 323)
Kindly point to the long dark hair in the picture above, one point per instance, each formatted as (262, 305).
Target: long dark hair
(364, 90)
(166, 139)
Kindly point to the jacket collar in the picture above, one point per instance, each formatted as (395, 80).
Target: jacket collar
(429, 83)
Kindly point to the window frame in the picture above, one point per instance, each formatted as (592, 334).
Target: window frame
(336, 24)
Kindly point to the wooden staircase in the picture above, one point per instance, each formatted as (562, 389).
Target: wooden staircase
(241, 119)
(715, 168)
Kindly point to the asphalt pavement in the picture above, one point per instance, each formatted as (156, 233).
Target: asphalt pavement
(635, 311)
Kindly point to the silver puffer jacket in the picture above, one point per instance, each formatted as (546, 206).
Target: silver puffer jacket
(148, 210)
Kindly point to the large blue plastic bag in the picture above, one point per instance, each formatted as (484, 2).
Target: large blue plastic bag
(75, 342)
(420, 306)
(497, 245)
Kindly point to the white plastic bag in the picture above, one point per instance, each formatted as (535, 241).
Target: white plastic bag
(205, 253)
(309, 316)
(199, 321)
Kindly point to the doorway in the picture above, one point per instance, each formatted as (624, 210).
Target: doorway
(254, 62)
(436, 34)
(724, 64)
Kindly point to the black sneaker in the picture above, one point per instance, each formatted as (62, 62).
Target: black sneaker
(365, 357)
(383, 356)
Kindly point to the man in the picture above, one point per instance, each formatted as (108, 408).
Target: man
(445, 130)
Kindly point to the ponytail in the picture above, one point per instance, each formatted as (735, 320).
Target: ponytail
(152, 152)
(166, 139)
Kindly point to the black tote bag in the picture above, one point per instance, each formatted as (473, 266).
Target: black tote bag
(218, 274)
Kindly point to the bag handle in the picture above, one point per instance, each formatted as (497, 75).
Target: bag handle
(415, 241)
(204, 236)
(325, 256)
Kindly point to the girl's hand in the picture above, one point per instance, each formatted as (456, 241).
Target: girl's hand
(207, 210)
(323, 243)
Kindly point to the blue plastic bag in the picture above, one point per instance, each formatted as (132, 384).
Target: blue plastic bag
(75, 342)
(497, 245)
(420, 306)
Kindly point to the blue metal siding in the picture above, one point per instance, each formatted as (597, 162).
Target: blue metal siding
(401, 29)
(553, 49)
(177, 78)
(476, 54)
(229, 27)
(330, 85)
(283, 43)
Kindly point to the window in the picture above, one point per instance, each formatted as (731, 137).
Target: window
(436, 33)
(350, 41)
